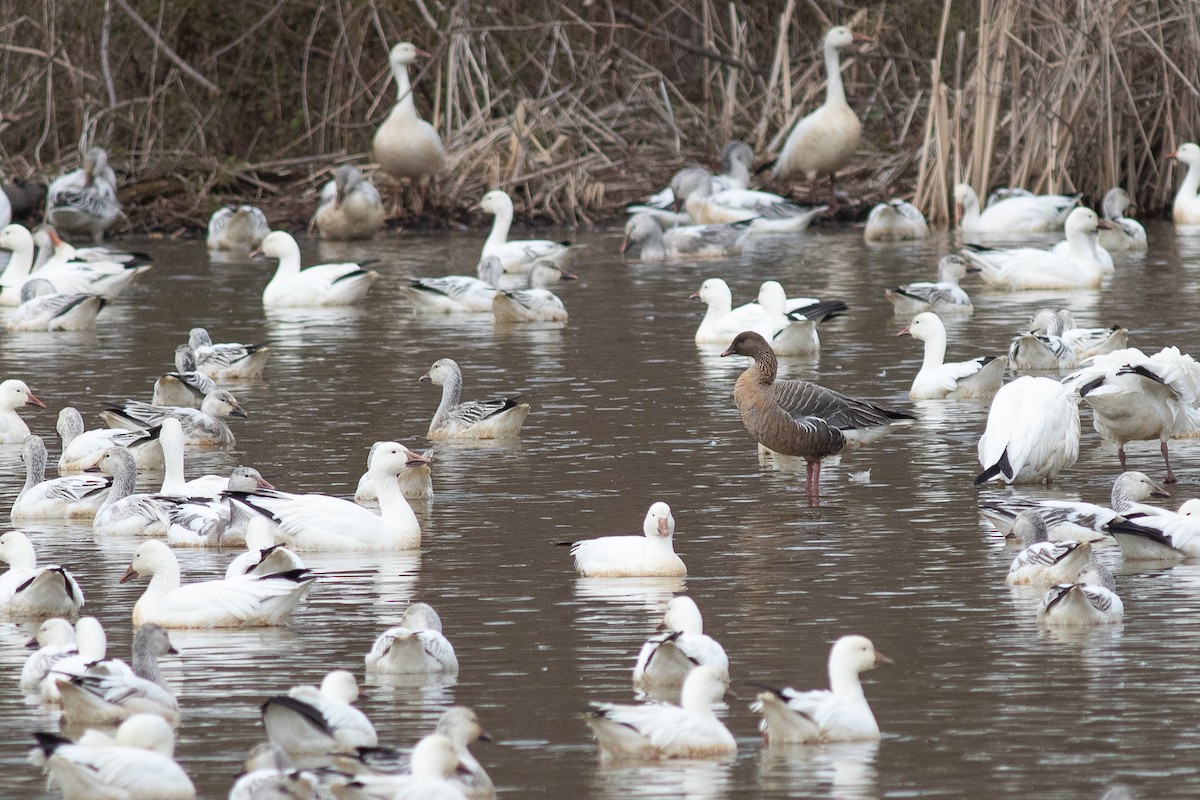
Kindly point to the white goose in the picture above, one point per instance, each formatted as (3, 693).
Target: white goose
(668, 658)
(535, 304)
(5, 209)
(1186, 209)
(124, 512)
(1090, 600)
(790, 333)
(520, 255)
(661, 730)
(268, 774)
(435, 776)
(89, 270)
(414, 647)
(895, 220)
(84, 201)
(1032, 432)
(110, 691)
(1015, 213)
(204, 427)
(15, 394)
(825, 140)
(237, 228)
(943, 297)
(1042, 348)
(244, 602)
(227, 361)
(262, 556)
(416, 482)
(1163, 537)
(187, 386)
(684, 241)
(1043, 561)
(461, 725)
(310, 721)
(457, 294)
(350, 207)
(648, 556)
(201, 521)
(68, 497)
(839, 714)
(30, 591)
(979, 377)
(1126, 234)
(405, 145)
(1085, 342)
(322, 285)
(91, 646)
(736, 159)
(55, 640)
(762, 211)
(476, 419)
(82, 449)
(136, 765)
(43, 308)
(106, 279)
(1082, 264)
(172, 441)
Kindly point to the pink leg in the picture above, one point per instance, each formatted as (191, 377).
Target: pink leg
(1166, 458)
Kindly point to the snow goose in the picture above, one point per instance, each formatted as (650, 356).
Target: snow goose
(186, 386)
(685, 241)
(54, 251)
(416, 482)
(68, 497)
(1083, 264)
(227, 361)
(110, 691)
(245, 602)
(1126, 233)
(435, 765)
(262, 556)
(91, 646)
(268, 774)
(124, 512)
(43, 308)
(1076, 520)
(204, 427)
(736, 159)
(15, 394)
(824, 141)
(322, 285)
(668, 658)
(1013, 213)
(461, 725)
(91, 270)
(30, 591)
(350, 207)
(84, 201)
(979, 377)
(1169, 537)
(1135, 397)
(838, 714)
(456, 294)
(1032, 432)
(943, 297)
(762, 211)
(318, 522)
(212, 521)
(1043, 561)
(1043, 348)
(309, 722)
(81, 450)
(237, 228)
(405, 145)
(1186, 209)
(499, 418)
(172, 440)
(792, 332)
(516, 256)
(536, 304)
(55, 640)
(1090, 600)
(137, 765)
(798, 418)
(662, 730)
(19, 242)
(414, 647)
(895, 220)
(648, 556)
(1085, 342)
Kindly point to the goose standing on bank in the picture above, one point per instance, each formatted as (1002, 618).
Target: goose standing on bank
(1126, 233)
(321, 285)
(1032, 432)
(685, 241)
(650, 555)
(457, 294)
(895, 220)
(84, 201)
(82, 450)
(15, 394)
(824, 141)
(67, 497)
(110, 691)
(1014, 213)
(477, 419)
(237, 228)
(30, 591)
(1186, 209)
(405, 145)
(227, 361)
(1082, 264)
(203, 427)
(520, 255)
(943, 297)
(350, 207)
(979, 377)
(416, 646)
(668, 658)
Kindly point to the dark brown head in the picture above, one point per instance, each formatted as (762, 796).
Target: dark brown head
(747, 343)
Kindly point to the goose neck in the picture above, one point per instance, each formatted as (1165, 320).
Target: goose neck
(935, 352)
(124, 479)
(500, 226)
(21, 263)
(19, 553)
(404, 98)
(835, 92)
(767, 366)
(1187, 190)
(173, 480)
(394, 509)
(35, 466)
(145, 662)
(844, 682)
(451, 392)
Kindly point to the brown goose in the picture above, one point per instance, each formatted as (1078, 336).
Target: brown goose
(798, 418)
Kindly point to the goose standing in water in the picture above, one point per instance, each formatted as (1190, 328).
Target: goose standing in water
(979, 377)
(1014, 213)
(651, 555)
(237, 228)
(1126, 233)
(943, 297)
(82, 450)
(110, 691)
(457, 294)
(1032, 432)
(350, 207)
(30, 591)
(84, 202)
(1186, 209)
(414, 647)
(668, 658)
(895, 220)
(15, 394)
(476, 419)
(321, 285)
(517, 256)
(405, 145)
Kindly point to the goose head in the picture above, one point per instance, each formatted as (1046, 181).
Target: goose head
(90, 638)
(147, 732)
(772, 297)
(1190, 508)
(17, 550)
(185, 358)
(95, 162)
(392, 458)
(1084, 222)
(840, 36)
(54, 631)
(150, 556)
(1188, 153)
(153, 639)
(683, 615)
(714, 291)
(748, 343)
(736, 152)
(1136, 485)
(1046, 321)
(1029, 528)
(346, 179)
(1115, 203)
(222, 404)
(69, 424)
(16, 237)
(691, 181)
(639, 228)
(703, 687)
(659, 521)
(443, 371)
(855, 654)
(118, 461)
(434, 757)
(421, 617)
(1095, 574)
(278, 244)
(341, 686)
(926, 327)
(33, 454)
(15, 394)
(965, 199)
(404, 54)
(496, 202)
(460, 725)
(953, 268)
(247, 479)
(198, 337)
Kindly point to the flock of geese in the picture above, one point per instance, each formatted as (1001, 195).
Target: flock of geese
(319, 743)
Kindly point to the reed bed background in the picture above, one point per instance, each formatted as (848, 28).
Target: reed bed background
(579, 108)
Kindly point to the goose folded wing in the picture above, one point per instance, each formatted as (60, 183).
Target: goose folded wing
(802, 398)
(472, 412)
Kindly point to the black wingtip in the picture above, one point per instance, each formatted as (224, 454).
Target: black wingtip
(1001, 466)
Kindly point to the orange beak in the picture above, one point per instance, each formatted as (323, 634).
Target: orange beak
(1172, 154)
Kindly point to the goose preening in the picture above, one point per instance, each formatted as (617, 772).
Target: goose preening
(499, 418)
(67, 497)
(826, 139)
(416, 482)
(1032, 432)
(979, 377)
(1084, 342)
(204, 427)
(895, 220)
(321, 285)
(762, 211)
(435, 775)
(1043, 561)
(243, 602)
(1163, 537)
(798, 418)
(460, 294)
(137, 764)
(1076, 520)
(1081, 264)
(28, 591)
(1126, 233)
(405, 145)
(519, 255)
(227, 361)
(187, 386)
(263, 556)
(414, 647)
(791, 331)
(91, 647)
(15, 394)
(310, 723)
(684, 241)
(669, 657)
(648, 556)
(84, 202)
(943, 297)
(55, 640)
(237, 228)
(1186, 209)
(1041, 351)
(663, 730)
(110, 691)
(736, 159)
(536, 304)
(43, 308)
(1018, 212)
(1089, 600)
(82, 450)
(837, 714)
(350, 207)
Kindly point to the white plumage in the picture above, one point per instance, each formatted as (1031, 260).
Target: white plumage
(321, 285)
(649, 555)
(1032, 432)
(979, 377)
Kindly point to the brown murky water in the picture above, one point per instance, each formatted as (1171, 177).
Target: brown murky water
(628, 411)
